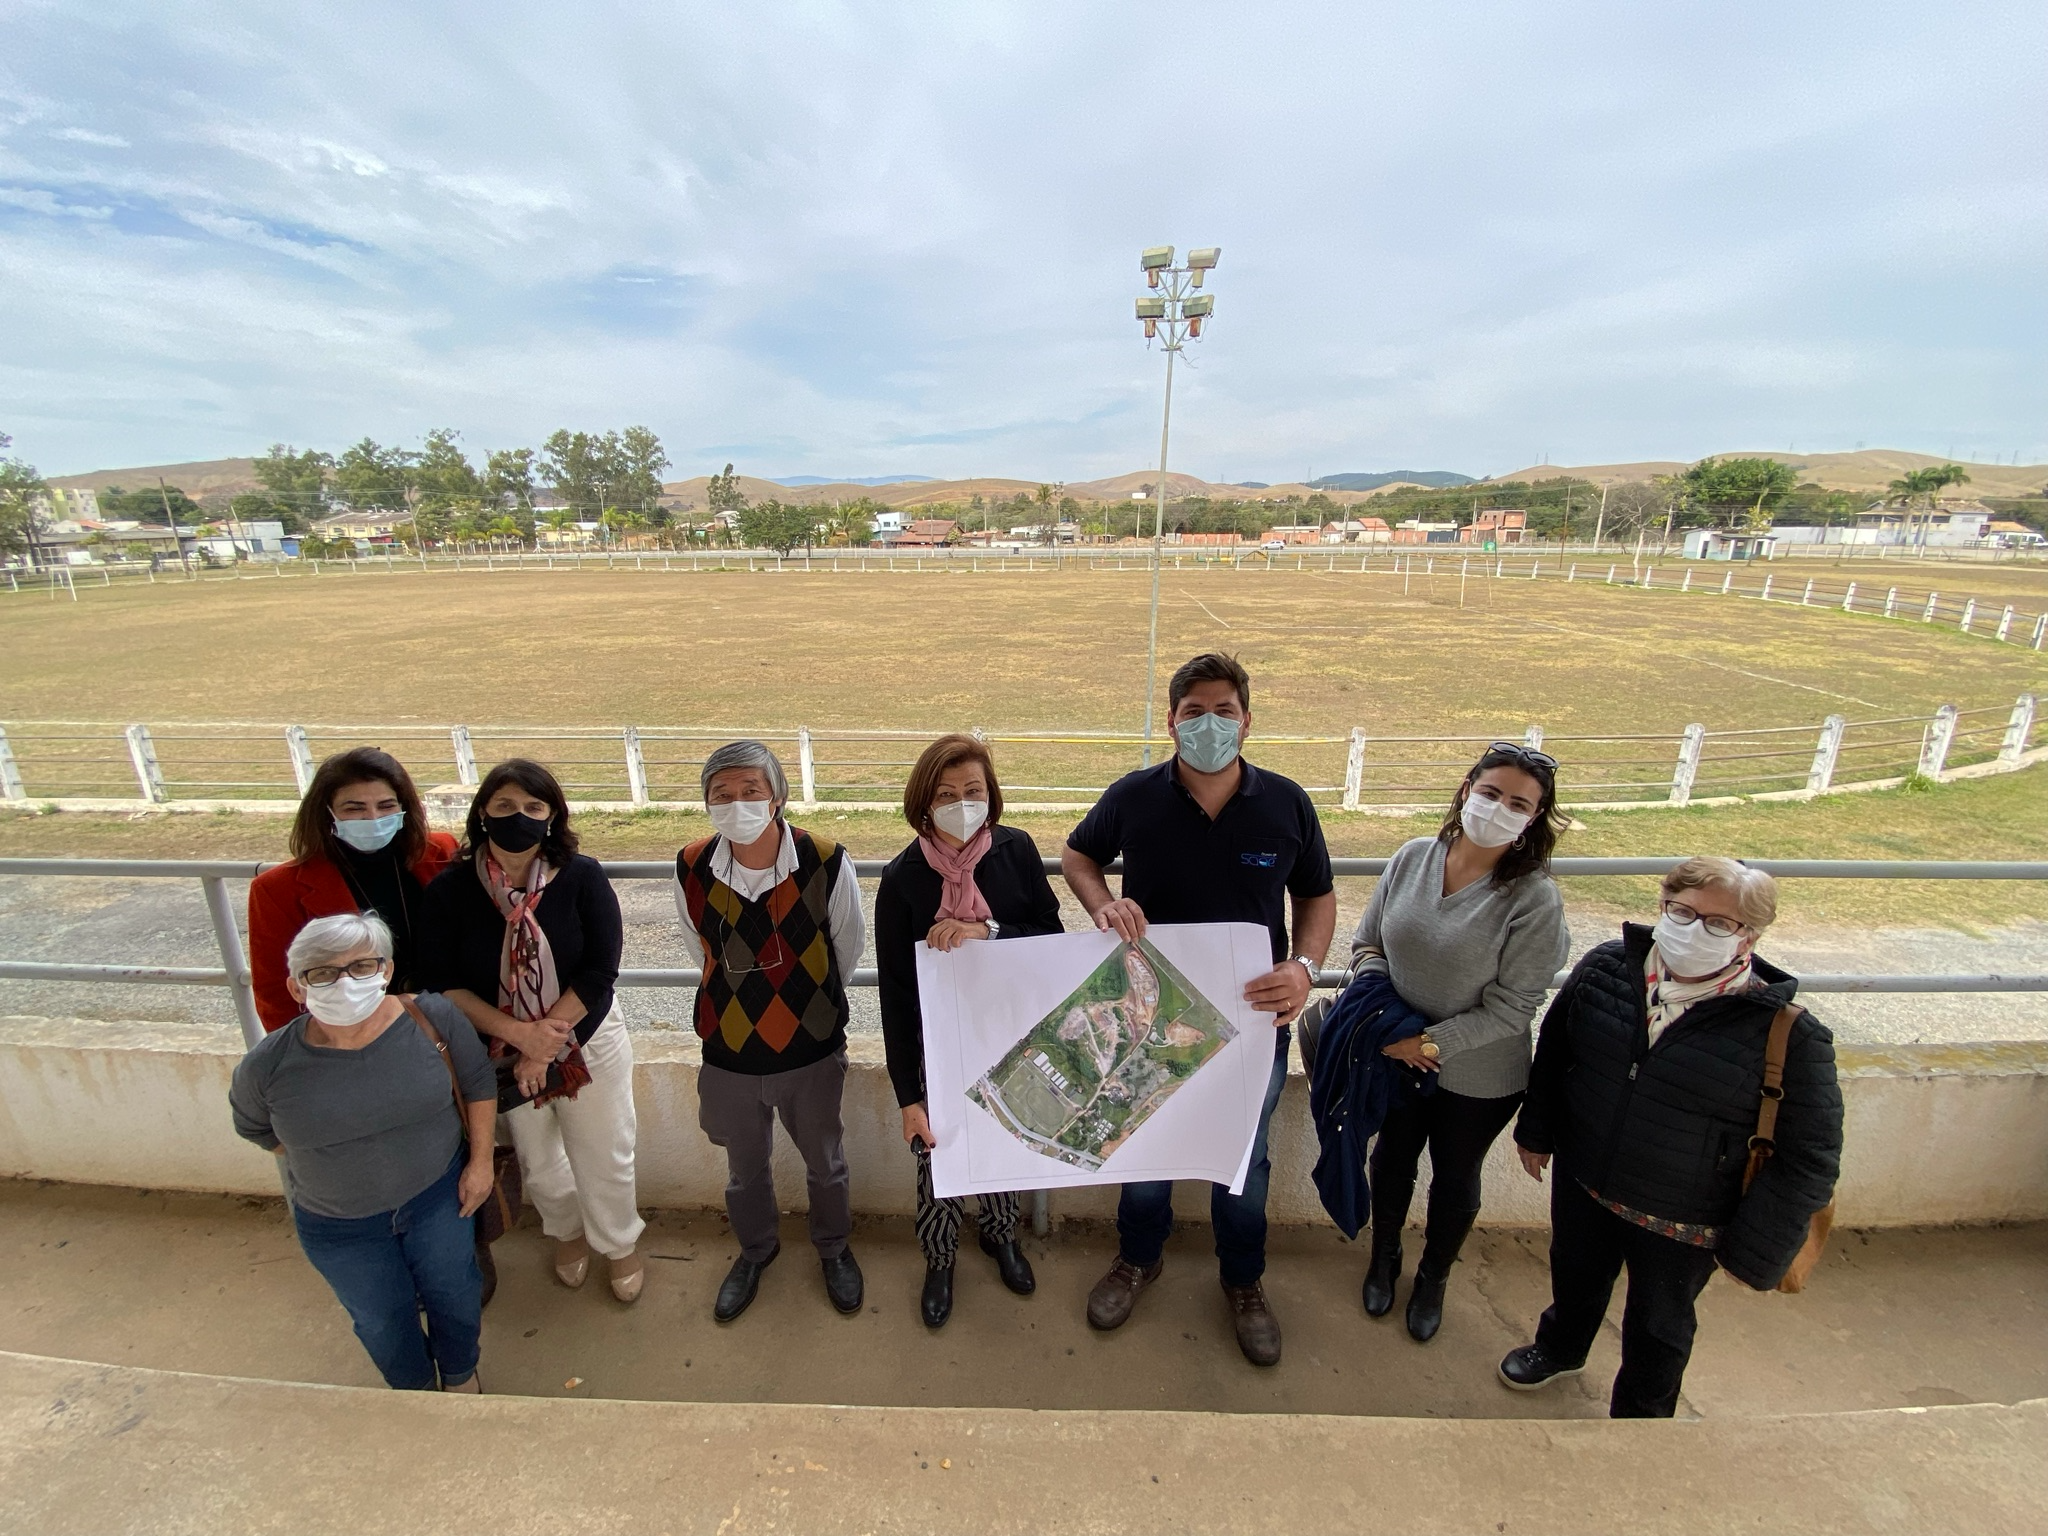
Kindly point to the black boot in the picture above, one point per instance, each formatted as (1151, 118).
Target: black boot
(1011, 1264)
(1426, 1303)
(1381, 1276)
(937, 1303)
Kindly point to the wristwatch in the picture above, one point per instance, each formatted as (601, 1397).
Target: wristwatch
(1430, 1049)
(1315, 972)
(995, 929)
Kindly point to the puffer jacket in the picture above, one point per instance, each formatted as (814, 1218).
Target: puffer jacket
(1664, 1129)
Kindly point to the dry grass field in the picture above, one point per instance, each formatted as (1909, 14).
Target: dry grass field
(721, 652)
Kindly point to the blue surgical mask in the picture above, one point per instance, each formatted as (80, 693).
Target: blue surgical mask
(1208, 743)
(369, 834)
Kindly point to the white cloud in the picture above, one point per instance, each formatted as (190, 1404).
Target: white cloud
(869, 238)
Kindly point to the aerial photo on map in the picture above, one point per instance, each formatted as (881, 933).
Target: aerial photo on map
(1102, 1063)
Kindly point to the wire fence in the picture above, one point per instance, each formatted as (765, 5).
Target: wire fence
(83, 765)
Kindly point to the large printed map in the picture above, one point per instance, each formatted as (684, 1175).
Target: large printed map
(1094, 1069)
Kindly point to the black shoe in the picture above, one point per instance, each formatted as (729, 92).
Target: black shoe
(843, 1283)
(1381, 1276)
(1011, 1264)
(741, 1281)
(1426, 1305)
(488, 1268)
(937, 1303)
(1528, 1368)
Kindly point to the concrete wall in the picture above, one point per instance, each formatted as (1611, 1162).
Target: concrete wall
(1936, 1134)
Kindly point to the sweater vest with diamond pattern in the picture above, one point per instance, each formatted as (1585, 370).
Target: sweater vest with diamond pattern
(772, 998)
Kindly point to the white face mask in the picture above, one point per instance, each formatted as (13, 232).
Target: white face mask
(961, 819)
(1489, 823)
(1689, 950)
(741, 822)
(345, 1001)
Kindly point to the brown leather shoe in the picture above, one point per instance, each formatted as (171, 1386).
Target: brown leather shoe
(1258, 1330)
(1116, 1293)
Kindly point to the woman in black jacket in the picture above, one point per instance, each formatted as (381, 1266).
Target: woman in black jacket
(524, 936)
(1648, 1076)
(964, 878)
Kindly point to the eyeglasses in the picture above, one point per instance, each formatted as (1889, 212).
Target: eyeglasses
(776, 952)
(1719, 927)
(327, 975)
(1528, 757)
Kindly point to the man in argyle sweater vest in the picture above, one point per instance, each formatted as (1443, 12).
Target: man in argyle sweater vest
(776, 914)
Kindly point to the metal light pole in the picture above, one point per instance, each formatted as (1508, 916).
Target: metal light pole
(1176, 313)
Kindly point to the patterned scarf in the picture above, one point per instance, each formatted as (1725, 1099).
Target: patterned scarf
(527, 984)
(961, 898)
(1669, 997)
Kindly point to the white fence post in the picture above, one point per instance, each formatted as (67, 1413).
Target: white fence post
(1969, 614)
(2005, 622)
(2040, 630)
(1354, 768)
(807, 766)
(1934, 744)
(636, 766)
(1727, 580)
(1927, 617)
(1825, 752)
(1532, 738)
(1572, 574)
(302, 756)
(1610, 574)
(148, 772)
(2017, 730)
(1891, 601)
(10, 771)
(465, 757)
(1688, 768)
(1849, 599)
(1768, 579)
(1806, 597)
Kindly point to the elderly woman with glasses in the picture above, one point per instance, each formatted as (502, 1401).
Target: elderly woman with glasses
(775, 913)
(1469, 928)
(1649, 1076)
(384, 1168)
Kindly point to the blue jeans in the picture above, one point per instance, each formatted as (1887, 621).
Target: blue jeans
(385, 1268)
(1144, 1214)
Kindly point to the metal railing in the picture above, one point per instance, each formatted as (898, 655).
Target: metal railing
(254, 765)
(234, 974)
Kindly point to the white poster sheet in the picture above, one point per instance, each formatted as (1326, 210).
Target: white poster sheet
(1076, 1058)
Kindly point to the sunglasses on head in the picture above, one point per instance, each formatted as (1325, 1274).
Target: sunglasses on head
(1527, 757)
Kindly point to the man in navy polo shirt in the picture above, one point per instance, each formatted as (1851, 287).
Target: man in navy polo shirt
(1207, 838)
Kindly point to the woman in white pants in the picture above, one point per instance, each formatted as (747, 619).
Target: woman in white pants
(524, 936)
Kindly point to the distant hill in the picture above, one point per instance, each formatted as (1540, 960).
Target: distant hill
(1435, 479)
(227, 476)
(796, 480)
(1870, 470)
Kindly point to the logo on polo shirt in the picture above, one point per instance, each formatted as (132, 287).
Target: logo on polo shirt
(1259, 860)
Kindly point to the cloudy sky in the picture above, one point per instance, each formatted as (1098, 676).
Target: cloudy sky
(881, 238)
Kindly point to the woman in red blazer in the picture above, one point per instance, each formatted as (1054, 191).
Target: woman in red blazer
(360, 843)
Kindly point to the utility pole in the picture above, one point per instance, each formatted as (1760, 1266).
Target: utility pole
(1182, 311)
(1600, 522)
(176, 543)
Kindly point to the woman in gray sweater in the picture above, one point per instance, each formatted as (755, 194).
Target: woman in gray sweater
(383, 1175)
(1469, 928)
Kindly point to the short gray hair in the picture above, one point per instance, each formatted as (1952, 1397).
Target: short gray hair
(325, 940)
(1755, 893)
(746, 754)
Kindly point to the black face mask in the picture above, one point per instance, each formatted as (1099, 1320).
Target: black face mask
(515, 833)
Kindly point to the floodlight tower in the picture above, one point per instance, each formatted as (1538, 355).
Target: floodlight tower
(1173, 313)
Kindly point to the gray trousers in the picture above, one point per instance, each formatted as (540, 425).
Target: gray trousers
(737, 1111)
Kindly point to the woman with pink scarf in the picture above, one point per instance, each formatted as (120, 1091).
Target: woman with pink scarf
(964, 879)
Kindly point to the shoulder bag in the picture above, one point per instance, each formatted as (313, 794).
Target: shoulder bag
(500, 1211)
(1764, 1143)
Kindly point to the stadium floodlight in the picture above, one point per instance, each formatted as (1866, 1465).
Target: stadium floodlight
(1176, 314)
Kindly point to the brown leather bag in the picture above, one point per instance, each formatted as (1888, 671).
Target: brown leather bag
(499, 1213)
(1763, 1144)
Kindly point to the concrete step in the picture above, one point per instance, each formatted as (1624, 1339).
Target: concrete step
(97, 1449)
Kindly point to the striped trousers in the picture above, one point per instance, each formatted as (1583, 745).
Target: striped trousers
(938, 1221)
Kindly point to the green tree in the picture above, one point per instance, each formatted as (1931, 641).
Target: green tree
(778, 526)
(443, 479)
(147, 504)
(294, 484)
(23, 496)
(373, 478)
(722, 492)
(1726, 486)
(508, 480)
(1919, 489)
(641, 460)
